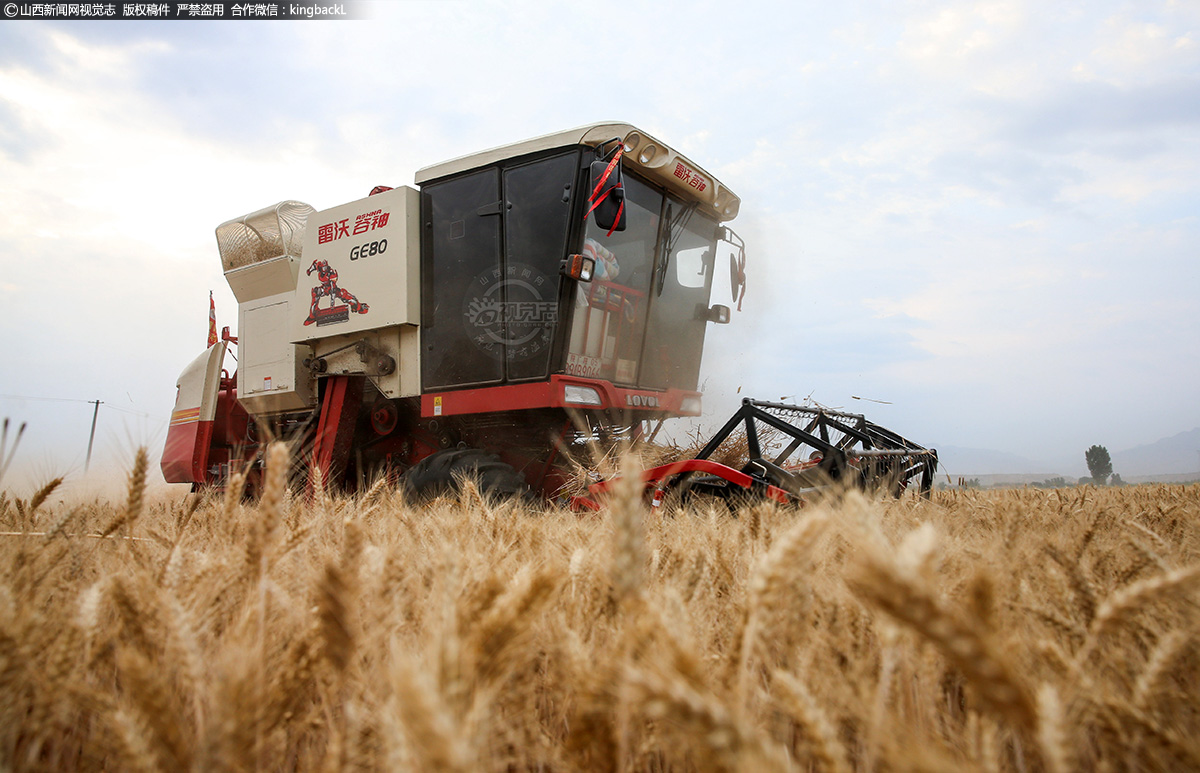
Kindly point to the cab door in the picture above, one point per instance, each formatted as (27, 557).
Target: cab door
(493, 242)
(537, 222)
(462, 325)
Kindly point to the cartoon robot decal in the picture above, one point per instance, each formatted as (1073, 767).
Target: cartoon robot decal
(329, 287)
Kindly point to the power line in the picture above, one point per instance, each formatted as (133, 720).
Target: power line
(95, 416)
(48, 399)
(76, 400)
(130, 411)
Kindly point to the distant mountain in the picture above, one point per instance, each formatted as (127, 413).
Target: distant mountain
(1173, 456)
(972, 462)
(1170, 456)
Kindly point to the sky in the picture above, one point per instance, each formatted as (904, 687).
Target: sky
(975, 222)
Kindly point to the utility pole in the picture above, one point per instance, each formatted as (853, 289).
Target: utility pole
(92, 436)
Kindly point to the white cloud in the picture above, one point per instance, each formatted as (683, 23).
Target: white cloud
(930, 194)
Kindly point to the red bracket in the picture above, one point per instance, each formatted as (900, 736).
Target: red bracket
(335, 429)
(656, 474)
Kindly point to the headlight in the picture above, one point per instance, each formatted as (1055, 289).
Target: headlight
(690, 405)
(581, 395)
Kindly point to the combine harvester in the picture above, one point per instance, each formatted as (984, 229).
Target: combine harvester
(498, 321)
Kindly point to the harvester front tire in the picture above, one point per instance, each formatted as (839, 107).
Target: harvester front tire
(443, 472)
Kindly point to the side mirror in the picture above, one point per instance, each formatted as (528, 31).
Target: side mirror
(737, 263)
(737, 280)
(716, 313)
(578, 267)
(607, 198)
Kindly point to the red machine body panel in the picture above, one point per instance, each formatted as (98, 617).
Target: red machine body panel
(552, 394)
(190, 434)
(186, 451)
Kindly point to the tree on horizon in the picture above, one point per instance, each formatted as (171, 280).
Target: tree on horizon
(1099, 464)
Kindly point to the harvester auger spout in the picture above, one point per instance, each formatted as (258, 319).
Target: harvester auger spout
(788, 453)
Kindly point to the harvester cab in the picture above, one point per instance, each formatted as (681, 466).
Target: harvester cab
(483, 322)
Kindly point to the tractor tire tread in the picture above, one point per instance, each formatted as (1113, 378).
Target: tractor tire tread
(441, 474)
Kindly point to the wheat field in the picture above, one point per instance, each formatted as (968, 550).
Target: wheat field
(1023, 630)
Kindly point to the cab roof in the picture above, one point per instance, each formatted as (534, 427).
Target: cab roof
(644, 154)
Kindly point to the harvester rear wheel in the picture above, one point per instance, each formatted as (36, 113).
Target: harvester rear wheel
(442, 473)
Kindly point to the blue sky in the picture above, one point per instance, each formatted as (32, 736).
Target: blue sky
(984, 214)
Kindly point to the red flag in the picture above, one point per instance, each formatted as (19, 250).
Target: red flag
(212, 320)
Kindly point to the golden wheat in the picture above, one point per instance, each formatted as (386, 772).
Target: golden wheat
(1018, 630)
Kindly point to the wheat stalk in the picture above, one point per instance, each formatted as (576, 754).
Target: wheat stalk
(7, 452)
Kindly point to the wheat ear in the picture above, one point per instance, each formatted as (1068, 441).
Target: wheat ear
(774, 588)
(1127, 601)
(1052, 735)
(234, 488)
(432, 730)
(909, 600)
(1165, 739)
(506, 624)
(135, 500)
(827, 751)
(145, 685)
(773, 585)
(629, 530)
(707, 722)
(1153, 681)
(41, 495)
(274, 487)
